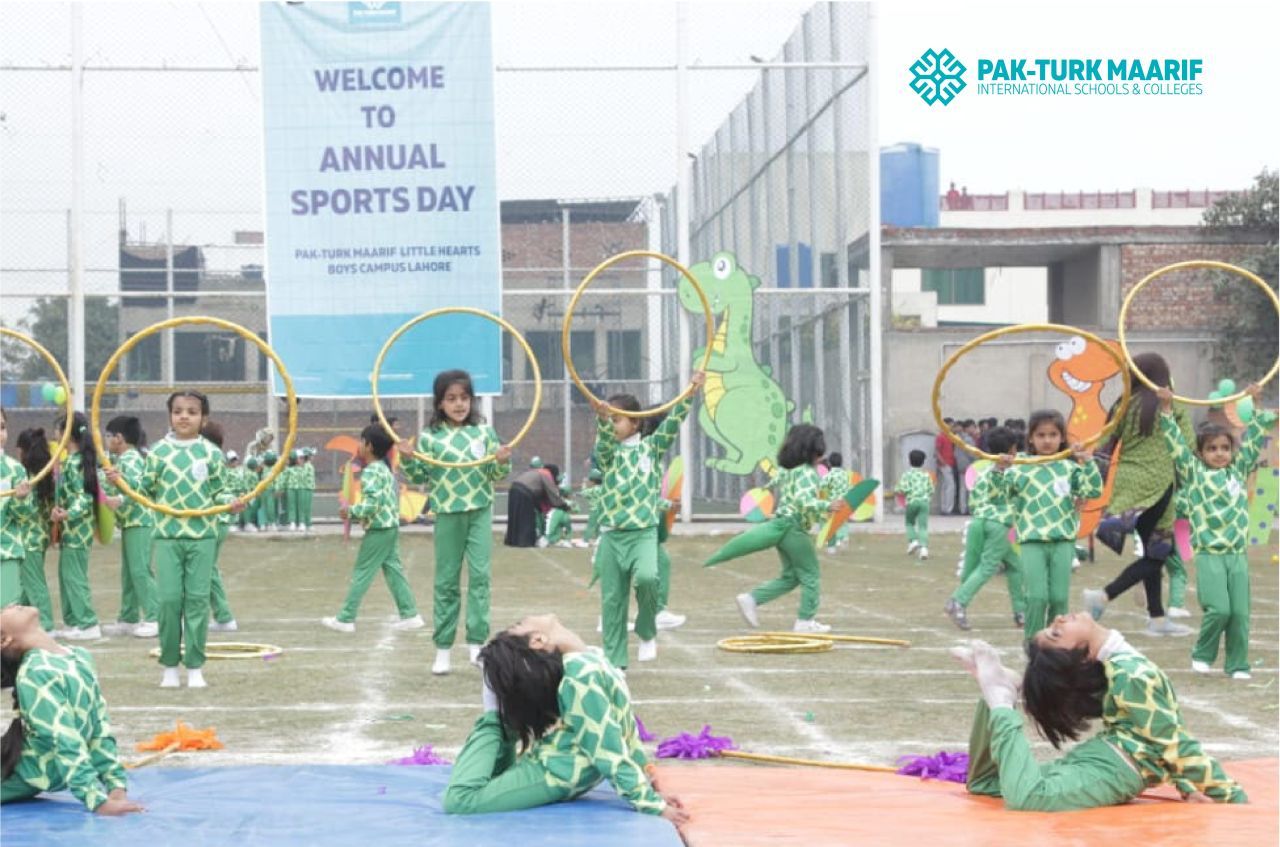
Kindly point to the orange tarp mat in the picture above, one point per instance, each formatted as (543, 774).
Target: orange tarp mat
(744, 806)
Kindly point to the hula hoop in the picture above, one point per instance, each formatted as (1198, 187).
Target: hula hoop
(1010, 330)
(457, 310)
(813, 763)
(100, 389)
(845, 639)
(235, 650)
(66, 387)
(775, 643)
(568, 325)
(1182, 266)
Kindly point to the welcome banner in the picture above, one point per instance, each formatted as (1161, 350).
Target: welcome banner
(381, 193)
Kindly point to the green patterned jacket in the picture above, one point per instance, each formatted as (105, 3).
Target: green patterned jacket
(77, 529)
(1043, 497)
(379, 506)
(187, 474)
(798, 497)
(12, 474)
(30, 515)
(68, 741)
(1217, 501)
(596, 737)
(835, 484)
(454, 490)
(130, 514)
(307, 478)
(633, 471)
(917, 486)
(1140, 715)
(987, 501)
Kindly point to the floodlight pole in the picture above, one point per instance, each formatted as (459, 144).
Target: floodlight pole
(683, 182)
(75, 240)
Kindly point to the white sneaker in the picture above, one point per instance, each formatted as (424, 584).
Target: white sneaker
(564, 542)
(580, 544)
(337, 625)
(250, 527)
(229, 626)
(924, 553)
(668, 620)
(441, 665)
(233, 528)
(1095, 602)
(170, 678)
(648, 651)
(119, 628)
(1163, 626)
(1201, 667)
(831, 551)
(473, 654)
(1177, 612)
(810, 625)
(195, 678)
(911, 548)
(146, 629)
(542, 542)
(404, 624)
(89, 633)
(747, 606)
(1242, 675)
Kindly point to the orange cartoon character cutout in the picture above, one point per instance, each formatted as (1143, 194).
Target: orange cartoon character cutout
(1080, 369)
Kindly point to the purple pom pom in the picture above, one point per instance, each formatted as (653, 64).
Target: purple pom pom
(951, 767)
(421, 756)
(704, 745)
(643, 732)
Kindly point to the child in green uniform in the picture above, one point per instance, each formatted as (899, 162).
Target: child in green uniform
(799, 508)
(987, 542)
(31, 514)
(834, 486)
(570, 710)
(632, 480)
(1079, 671)
(61, 738)
(184, 471)
(76, 510)
(223, 619)
(560, 520)
(306, 489)
(1043, 499)
(463, 502)
(917, 487)
(1215, 482)
(138, 607)
(590, 492)
(239, 485)
(13, 486)
(379, 511)
(268, 500)
(665, 618)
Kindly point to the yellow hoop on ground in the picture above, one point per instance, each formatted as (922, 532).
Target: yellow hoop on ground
(1191, 265)
(109, 368)
(236, 650)
(153, 758)
(778, 642)
(845, 639)
(67, 407)
(565, 351)
(1010, 330)
(457, 310)
(813, 763)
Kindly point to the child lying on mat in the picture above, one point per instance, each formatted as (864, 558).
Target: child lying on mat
(60, 738)
(571, 712)
(1077, 671)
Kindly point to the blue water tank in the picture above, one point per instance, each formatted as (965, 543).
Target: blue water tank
(909, 185)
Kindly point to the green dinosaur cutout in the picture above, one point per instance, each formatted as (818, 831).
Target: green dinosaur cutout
(743, 409)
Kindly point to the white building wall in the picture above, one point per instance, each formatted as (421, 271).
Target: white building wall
(1013, 295)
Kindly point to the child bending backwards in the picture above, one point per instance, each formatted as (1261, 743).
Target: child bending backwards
(1043, 498)
(987, 544)
(1078, 671)
(379, 511)
(463, 503)
(571, 712)
(629, 517)
(917, 487)
(799, 507)
(1216, 495)
(61, 738)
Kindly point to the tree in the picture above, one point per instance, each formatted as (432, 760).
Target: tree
(46, 322)
(1249, 346)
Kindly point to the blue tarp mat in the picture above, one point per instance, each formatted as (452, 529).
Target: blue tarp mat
(320, 806)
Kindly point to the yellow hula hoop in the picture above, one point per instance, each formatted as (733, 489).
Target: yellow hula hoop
(813, 763)
(1182, 266)
(568, 325)
(66, 387)
(457, 310)
(100, 389)
(1010, 330)
(235, 650)
(775, 643)
(845, 639)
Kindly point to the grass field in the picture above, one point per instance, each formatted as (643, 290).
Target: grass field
(368, 697)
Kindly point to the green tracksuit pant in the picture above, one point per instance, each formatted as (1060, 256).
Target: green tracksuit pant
(626, 557)
(1046, 573)
(290, 506)
(305, 499)
(217, 591)
(799, 567)
(1177, 570)
(1222, 586)
(986, 546)
(462, 535)
(559, 526)
(137, 581)
(487, 777)
(183, 570)
(73, 587)
(35, 588)
(1001, 764)
(10, 581)
(918, 523)
(379, 551)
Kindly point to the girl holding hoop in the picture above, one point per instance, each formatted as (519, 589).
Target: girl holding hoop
(1043, 498)
(13, 481)
(463, 503)
(184, 471)
(76, 510)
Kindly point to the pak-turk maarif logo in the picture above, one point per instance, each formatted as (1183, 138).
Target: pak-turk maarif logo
(937, 76)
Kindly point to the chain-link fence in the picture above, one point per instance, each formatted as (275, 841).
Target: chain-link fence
(169, 218)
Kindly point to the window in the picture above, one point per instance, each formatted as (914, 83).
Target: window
(623, 358)
(143, 362)
(955, 286)
(546, 346)
(208, 356)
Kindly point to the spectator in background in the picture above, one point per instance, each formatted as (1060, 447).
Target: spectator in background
(963, 460)
(953, 198)
(944, 457)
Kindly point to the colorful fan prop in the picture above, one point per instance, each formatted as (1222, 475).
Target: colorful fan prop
(756, 505)
(848, 507)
